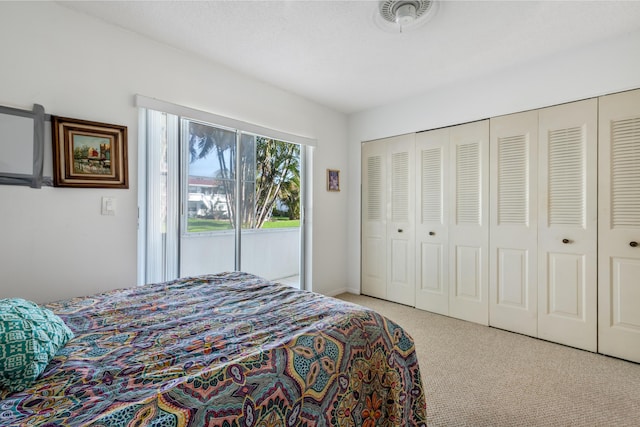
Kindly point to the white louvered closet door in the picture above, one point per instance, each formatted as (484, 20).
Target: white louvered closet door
(432, 220)
(374, 219)
(514, 226)
(619, 226)
(567, 227)
(401, 219)
(469, 222)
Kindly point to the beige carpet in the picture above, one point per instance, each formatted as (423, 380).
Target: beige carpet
(480, 376)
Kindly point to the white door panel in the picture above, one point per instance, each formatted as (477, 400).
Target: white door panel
(373, 221)
(566, 285)
(468, 282)
(376, 249)
(512, 285)
(469, 222)
(432, 270)
(619, 226)
(625, 298)
(513, 227)
(399, 254)
(432, 216)
(567, 227)
(400, 223)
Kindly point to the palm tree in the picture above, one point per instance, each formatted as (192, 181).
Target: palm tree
(290, 197)
(277, 171)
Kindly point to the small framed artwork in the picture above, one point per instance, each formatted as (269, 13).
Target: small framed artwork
(333, 180)
(89, 154)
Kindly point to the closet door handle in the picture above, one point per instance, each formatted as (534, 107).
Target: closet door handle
(633, 244)
(432, 233)
(566, 241)
(399, 230)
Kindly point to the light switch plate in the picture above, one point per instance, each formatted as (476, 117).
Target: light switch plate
(108, 206)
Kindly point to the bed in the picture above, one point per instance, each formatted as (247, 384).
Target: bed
(228, 349)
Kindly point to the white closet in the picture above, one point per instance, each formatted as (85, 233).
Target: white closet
(388, 231)
(567, 224)
(619, 226)
(432, 220)
(511, 226)
(374, 219)
(514, 226)
(452, 221)
(543, 223)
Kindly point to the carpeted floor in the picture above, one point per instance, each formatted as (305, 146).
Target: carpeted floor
(480, 376)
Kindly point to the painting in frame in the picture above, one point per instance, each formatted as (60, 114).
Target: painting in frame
(333, 180)
(89, 154)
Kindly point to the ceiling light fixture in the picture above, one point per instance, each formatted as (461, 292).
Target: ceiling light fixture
(403, 15)
(406, 14)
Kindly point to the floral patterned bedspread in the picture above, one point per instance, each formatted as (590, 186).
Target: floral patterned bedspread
(229, 349)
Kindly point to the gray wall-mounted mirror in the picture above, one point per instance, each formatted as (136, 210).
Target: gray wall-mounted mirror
(22, 136)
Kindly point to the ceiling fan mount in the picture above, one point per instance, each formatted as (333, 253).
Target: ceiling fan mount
(404, 15)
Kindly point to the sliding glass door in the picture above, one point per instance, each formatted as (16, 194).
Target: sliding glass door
(271, 223)
(208, 220)
(231, 201)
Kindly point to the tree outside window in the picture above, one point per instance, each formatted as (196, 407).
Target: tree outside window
(270, 180)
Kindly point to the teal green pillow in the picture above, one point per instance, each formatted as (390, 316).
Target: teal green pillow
(30, 336)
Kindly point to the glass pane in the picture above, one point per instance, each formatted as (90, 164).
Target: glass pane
(277, 184)
(248, 204)
(212, 150)
(207, 246)
(248, 160)
(248, 173)
(211, 174)
(209, 205)
(271, 236)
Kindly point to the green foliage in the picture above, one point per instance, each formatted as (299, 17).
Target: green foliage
(277, 178)
(277, 172)
(81, 152)
(198, 225)
(282, 223)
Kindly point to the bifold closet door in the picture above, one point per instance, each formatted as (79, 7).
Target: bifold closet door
(388, 211)
(514, 227)
(469, 222)
(401, 219)
(567, 227)
(432, 220)
(373, 267)
(619, 226)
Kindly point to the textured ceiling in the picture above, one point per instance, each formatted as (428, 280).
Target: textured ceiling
(333, 53)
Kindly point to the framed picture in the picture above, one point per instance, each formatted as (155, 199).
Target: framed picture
(333, 180)
(89, 154)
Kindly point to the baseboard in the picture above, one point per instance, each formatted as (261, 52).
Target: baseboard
(347, 290)
(335, 292)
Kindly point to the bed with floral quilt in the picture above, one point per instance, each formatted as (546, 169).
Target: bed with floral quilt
(229, 349)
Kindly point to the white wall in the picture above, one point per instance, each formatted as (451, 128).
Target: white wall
(607, 67)
(53, 242)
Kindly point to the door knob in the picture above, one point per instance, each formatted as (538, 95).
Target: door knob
(399, 230)
(432, 233)
(633, 244)
(565, 241)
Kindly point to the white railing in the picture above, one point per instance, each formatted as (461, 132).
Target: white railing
(271, 253)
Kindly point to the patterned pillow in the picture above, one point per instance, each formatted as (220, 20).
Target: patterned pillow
(30, 336)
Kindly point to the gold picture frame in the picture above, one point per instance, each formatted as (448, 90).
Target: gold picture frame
(333, 180)
(89, 154)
